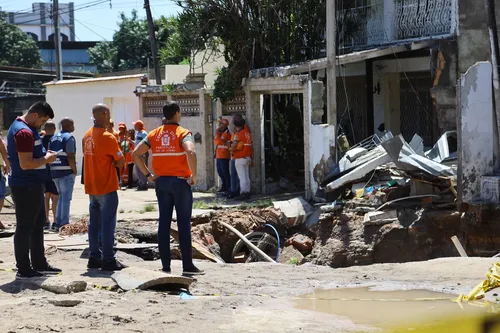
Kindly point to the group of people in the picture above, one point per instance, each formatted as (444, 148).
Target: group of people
(234, 155)
(128, 139)
(33, 166)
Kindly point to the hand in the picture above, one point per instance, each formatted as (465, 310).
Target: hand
(6, 168)
(191, 180)
(152, 178)
(50, 157)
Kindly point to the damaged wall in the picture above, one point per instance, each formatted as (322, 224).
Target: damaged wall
(475, 131)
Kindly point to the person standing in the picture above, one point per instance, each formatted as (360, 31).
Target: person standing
(102, 156)
(51, 193)
(111, 129)
(175, 165)
(29, 159)
(128, 148)
(4, 172)
(64, 170)
(241, 148)
(222, 155)
(140, 135)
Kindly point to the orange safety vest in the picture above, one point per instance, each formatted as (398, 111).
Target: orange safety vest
(169, 157)
(244, 146)
(221, 139)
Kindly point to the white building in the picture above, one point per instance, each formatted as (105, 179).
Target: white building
(75, 98)
(38, 22)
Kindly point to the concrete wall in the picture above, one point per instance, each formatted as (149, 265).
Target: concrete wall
(75, 99)
(475, 131)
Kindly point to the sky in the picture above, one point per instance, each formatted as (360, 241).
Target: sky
(98, 21)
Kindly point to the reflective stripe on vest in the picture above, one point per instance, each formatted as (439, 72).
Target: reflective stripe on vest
(60, 167)
(169, 157)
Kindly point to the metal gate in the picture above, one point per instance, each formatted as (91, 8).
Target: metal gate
(417, 110)
(351, 107)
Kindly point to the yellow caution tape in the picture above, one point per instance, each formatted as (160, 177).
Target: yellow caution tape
(492, 281)
(107, 288)
(10, 270)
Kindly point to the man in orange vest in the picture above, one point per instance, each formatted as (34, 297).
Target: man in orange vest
(174, 166)
(241, 148)
(222, 155)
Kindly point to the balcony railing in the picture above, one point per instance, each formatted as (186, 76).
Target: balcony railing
(390, 21)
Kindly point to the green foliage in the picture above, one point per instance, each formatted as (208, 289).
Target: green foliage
(255, 34)
(131, 47)
(16, 47)
(226, 84)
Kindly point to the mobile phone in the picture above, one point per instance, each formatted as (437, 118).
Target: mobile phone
(59, 151)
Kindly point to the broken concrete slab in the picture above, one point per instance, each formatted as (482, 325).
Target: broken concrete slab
(354, 153)
(380, 215)
(65, 303)
(59, 285)
(142, 279)
(296, 211)
(290, 255)
(359, 172)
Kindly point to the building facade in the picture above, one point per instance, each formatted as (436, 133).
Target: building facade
(38, 22)
(75, 56)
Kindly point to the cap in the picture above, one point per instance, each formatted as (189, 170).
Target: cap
(223, 121)
(122, 125)
(138, 122)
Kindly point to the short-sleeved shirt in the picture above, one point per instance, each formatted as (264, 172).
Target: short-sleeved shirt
(139, 136)
(71, 145)
(101, 150)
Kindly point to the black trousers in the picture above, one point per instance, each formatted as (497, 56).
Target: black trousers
(30, 219)
(131, 175)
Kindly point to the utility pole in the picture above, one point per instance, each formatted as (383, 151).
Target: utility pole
(57, 40)
(331, 69)
(495, 61)
(152, 38)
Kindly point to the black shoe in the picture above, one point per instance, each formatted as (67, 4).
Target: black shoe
(142, 189)
(46, 227)
(94, 263)
(167, 271)
(31, 274)
(48, 270)
(243, 197)
(112, 266)
(193, 271)
(232, 195)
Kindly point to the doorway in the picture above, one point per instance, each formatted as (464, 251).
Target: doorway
(284, 143)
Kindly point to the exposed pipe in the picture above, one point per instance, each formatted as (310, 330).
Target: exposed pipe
(408, 198)
(247, 242)
(277, 237)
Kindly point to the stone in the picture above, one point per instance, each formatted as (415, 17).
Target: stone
(300, 242)
(139, 278)
(67, 303)
(59, 285)
(381, 215)
(290, 255)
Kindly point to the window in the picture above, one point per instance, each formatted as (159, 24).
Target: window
(64, 38)
(33, 36)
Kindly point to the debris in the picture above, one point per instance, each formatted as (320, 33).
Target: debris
(139, 278)
(407, 159)
(80, 227)
(186, 296)
(290, 255)
(407, 198)
(379, 218)
(287, 185)
(354, 153)
(6, 233)
(300, 242)
(200, 250)
(459, 246)
(445, 148)
(296, 211)
(60, 285)
(359, 172)
(417, 144)
(331, 207)
(67, 303)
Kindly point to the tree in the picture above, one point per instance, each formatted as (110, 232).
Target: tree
(16, 47)
(131, 48)
(255, 34)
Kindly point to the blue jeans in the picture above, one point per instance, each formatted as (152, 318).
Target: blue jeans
(143, 181)
(102, 223)
(65, 187)
(223, 171)
(235, 181)
(174, 192)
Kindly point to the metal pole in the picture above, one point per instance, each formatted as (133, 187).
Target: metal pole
(495, 61)
(57, 40)
(152, 38)
(331, 70)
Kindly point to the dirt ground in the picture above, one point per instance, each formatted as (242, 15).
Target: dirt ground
(257, 297)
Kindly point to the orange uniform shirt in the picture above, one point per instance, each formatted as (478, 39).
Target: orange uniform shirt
(221, 139)
(169, 157)
(100, 149)
(244, 146)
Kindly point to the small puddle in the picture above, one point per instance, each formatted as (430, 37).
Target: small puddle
(389, 309)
